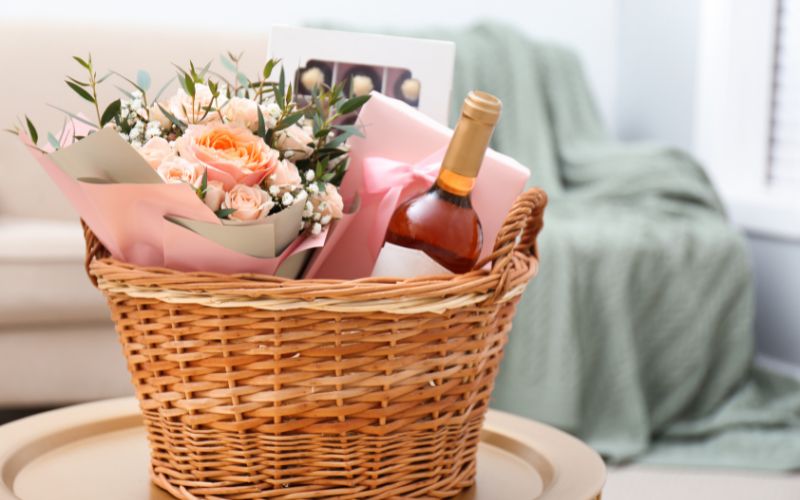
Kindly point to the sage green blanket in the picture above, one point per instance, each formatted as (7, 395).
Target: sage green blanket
(637, 335)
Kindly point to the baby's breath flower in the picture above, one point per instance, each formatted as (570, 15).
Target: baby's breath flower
(325, 220)
(316, 228)
(313, 188)
(274, 190)
(287, 199)
(310, 175)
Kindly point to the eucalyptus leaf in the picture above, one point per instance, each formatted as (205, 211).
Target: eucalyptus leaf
(242, 79)
(73, 80)
(73, 116)
(201, 191)
(189, 84)
(204, 71)
(351, 129)
(262, 126)
(175, 121)
(143, 79)
(53, 141)
(269, 67)
(82, 62)
(111, 111)
(353, 104)
(280, 92)
(104, 78)
(135, 85)
(229, 65)
(80, 91)
(338, 140)
(32, 130)
(289, 120)
(222, 213)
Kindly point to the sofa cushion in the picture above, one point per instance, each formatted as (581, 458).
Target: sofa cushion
(44, 282)
(60, 364)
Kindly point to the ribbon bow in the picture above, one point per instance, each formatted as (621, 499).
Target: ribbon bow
(390, 183)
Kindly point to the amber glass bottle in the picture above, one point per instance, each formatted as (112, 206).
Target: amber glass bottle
(440, 225)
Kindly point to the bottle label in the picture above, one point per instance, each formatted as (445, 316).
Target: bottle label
(401, 262)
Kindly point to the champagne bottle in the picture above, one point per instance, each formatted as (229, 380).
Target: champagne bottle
(438, 231)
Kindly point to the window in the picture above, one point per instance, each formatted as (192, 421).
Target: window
(784, 168)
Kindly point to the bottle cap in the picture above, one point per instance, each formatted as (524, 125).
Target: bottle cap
(483, 107)
(479, 115)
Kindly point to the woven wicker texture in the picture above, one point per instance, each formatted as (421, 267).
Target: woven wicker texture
(260, 387)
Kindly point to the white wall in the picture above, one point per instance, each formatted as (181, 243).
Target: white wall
(588, 26)
(657, 63)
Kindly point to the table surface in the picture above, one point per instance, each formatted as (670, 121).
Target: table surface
(88, 451)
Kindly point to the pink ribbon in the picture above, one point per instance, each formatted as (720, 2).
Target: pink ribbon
(393, 182)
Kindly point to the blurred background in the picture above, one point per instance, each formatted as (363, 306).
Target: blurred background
(717, 79)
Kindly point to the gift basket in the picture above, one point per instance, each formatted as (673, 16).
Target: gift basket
(236, 230)
(259, 387)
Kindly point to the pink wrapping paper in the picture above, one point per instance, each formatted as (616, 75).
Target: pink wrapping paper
(129, 220)
(404, 146)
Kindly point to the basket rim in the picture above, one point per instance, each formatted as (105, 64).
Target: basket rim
(434, 293)
(499, 277)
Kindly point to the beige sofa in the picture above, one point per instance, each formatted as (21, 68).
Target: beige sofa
(57, 344)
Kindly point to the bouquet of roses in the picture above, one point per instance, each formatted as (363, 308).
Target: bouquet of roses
(244, 146)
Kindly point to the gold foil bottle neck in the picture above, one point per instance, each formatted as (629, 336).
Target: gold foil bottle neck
(479, 115)
(483, 107)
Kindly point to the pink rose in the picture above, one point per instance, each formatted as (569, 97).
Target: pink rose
(250, 202)
(244, 112)
(155, 151)
(175, 170)
(180, 105)
(285, 174)
(215, 195)
(232, 154)
(296, 140)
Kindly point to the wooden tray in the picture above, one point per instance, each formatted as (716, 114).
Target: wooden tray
(99, 451)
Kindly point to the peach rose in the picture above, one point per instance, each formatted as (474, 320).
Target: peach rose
(175, 170)
(215, 195)
(285, 174)
(232, 154)
(249, 202)
(157, 115)
(296, 140)
(180, 105)
(244, 112)
(333, 204)
(155, 151)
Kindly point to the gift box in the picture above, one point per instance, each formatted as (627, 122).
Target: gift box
(397, 158)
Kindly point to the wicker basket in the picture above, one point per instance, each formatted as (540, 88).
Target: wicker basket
(260, 387)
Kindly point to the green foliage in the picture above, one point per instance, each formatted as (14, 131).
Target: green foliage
(80, 91)
(143, 80)
(223, 213)
(32, 130)
(111, 112)
(175, 121)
